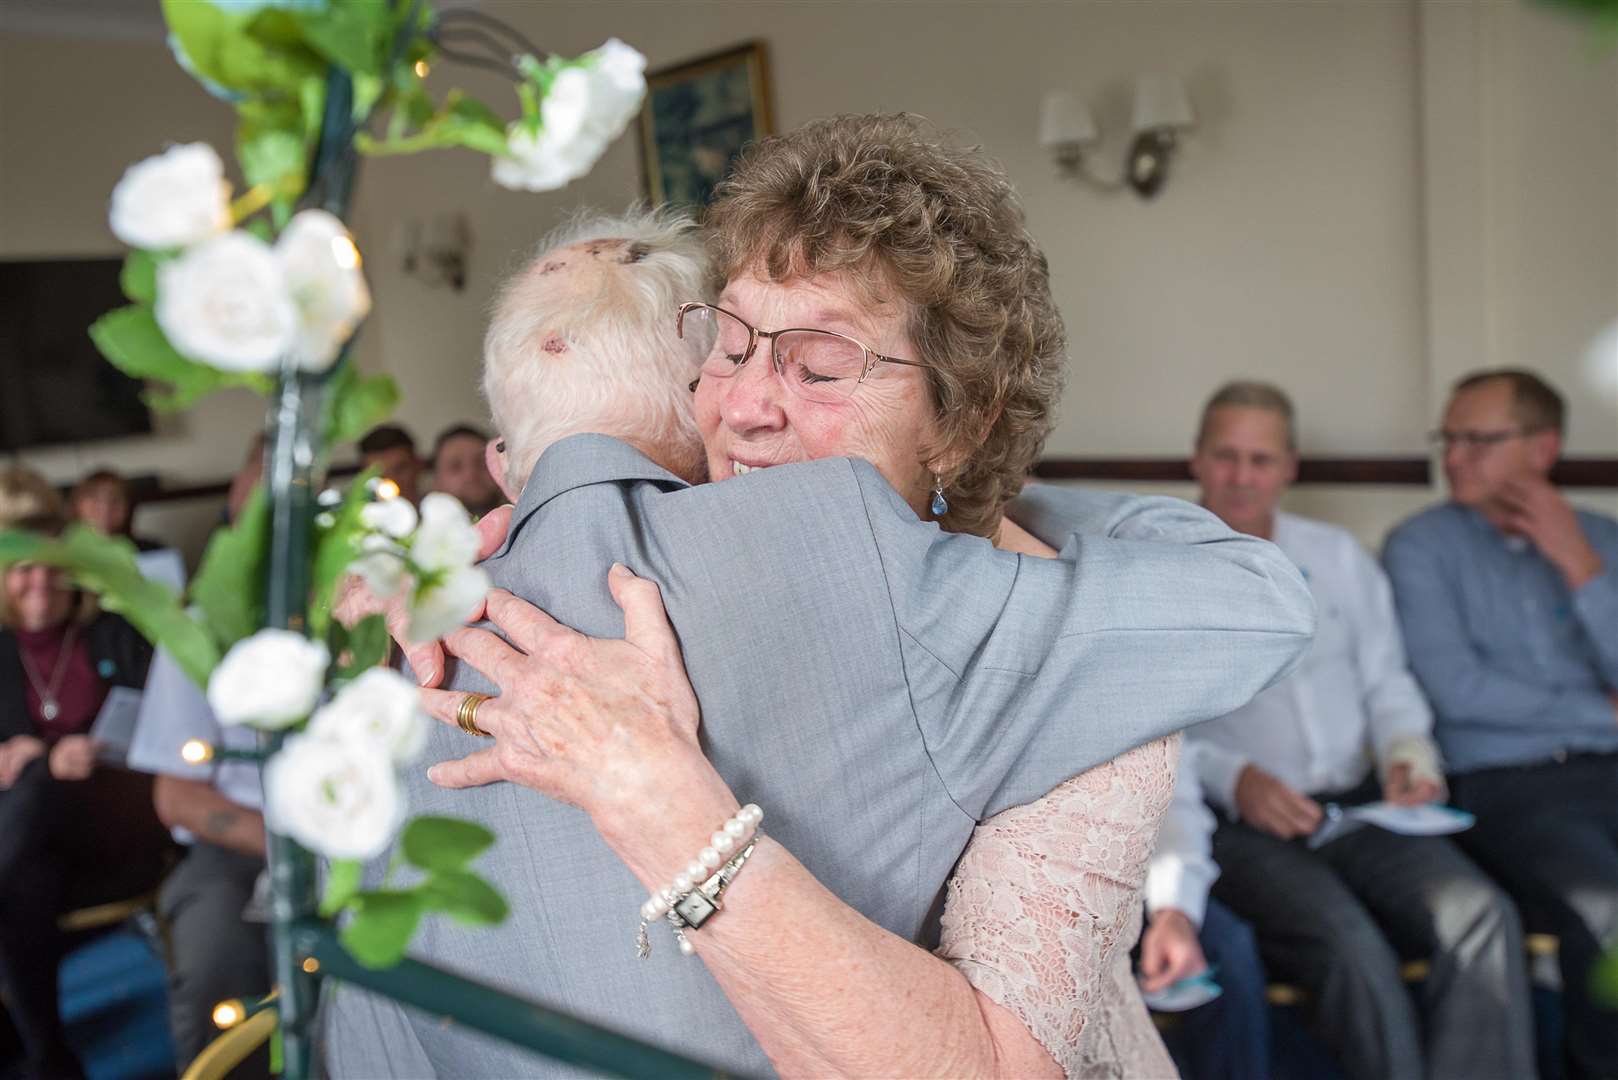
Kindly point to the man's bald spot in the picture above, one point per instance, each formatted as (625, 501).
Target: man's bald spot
(583, 271)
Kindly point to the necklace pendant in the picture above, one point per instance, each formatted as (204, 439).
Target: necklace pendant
(48, 709)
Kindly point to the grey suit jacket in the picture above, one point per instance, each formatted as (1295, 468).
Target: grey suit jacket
(877, 685)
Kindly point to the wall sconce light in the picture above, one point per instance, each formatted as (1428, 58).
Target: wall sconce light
(1161, 112)
(435, 251)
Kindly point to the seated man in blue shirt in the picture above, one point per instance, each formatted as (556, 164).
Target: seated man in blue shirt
(1509, 601)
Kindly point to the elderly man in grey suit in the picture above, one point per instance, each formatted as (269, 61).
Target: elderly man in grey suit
(878, 685)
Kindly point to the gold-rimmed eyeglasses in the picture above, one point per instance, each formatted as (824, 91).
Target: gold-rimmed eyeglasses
(818, 365)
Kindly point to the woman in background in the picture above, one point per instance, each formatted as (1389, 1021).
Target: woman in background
(71, 833)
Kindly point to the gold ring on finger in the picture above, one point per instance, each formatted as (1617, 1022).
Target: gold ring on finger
(467, 715)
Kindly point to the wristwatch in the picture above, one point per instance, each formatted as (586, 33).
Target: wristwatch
(701, 903)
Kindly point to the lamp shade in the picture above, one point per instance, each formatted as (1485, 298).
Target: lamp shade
(1065, 121)
(1160, 102)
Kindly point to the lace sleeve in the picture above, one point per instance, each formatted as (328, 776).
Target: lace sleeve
(1045, 907)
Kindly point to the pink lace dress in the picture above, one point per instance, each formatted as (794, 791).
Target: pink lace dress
(1045, 907)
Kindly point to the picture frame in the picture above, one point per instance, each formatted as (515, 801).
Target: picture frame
(697, 116)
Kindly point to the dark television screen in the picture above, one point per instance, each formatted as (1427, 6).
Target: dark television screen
(55, 387)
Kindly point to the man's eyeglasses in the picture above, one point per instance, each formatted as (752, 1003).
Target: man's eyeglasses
(818, 365)
(1475, 442)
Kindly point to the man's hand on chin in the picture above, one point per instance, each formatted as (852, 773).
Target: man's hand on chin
(1534, 509)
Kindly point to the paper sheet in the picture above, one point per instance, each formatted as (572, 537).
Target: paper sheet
(1428, 820)
(1184, 995)
(114, 726)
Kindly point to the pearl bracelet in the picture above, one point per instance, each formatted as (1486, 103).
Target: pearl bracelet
(707, 869)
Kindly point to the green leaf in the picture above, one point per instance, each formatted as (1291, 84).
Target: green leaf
(366, 645)
(342, 882)
(17, 545)
(273, 157)
(199, 28)
(357, 404)
(382, 926)
(138, 279)
(465, 897)
(336, 546)
(443, 844)
(240, 49)
(229, 586)
(106, 566)
(353, 34)
(1604, 979)
(130, 338)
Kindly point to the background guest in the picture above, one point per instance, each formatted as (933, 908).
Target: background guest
(1349, 726)
(71, 833)
(102, 501)
(215, 809)
(1509, 601)
(391, 449)
(460, 469)
(1188, 932)
(25, 493)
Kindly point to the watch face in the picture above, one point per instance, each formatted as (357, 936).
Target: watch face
(695, 908)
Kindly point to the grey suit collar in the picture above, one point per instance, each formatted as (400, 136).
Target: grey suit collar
(577, 461)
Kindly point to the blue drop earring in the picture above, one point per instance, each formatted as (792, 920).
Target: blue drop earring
(940, 505)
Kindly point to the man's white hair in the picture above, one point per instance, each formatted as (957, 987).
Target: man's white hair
(582, 339)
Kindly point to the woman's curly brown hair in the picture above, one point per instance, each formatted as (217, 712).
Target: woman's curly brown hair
(885, 198)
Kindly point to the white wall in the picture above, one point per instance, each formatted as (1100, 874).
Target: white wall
(1379, 195)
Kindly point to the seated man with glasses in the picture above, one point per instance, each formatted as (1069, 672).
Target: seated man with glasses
(1509, 601)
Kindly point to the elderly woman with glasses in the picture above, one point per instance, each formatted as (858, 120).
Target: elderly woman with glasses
(882, 300)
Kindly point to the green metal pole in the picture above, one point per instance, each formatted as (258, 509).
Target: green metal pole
(295, 457)
(291, 459)
(482, 1008)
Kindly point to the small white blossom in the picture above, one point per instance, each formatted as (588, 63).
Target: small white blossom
(338, 797)
(544, 162)
(438, 610)
(381, 705)
(270, 680)
(383, 569)
(392, 517)
(174, 199)
(225, 302)
(447, 539)
(619, 77)
(322, 268)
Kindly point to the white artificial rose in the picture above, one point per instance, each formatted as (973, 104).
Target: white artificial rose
(381, 705)
(335, 796)
(225, 303)
(322, 268)
(566, 109)
(384, 572)
(619, 77)
(443, 607)
(446, 538)
(392, 517)
(270, 680)
(174, 199)
(542, 162)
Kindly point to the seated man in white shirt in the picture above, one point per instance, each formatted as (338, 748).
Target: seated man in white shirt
(1349, 726)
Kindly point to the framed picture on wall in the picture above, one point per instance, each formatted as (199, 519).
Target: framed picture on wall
(697, 117)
